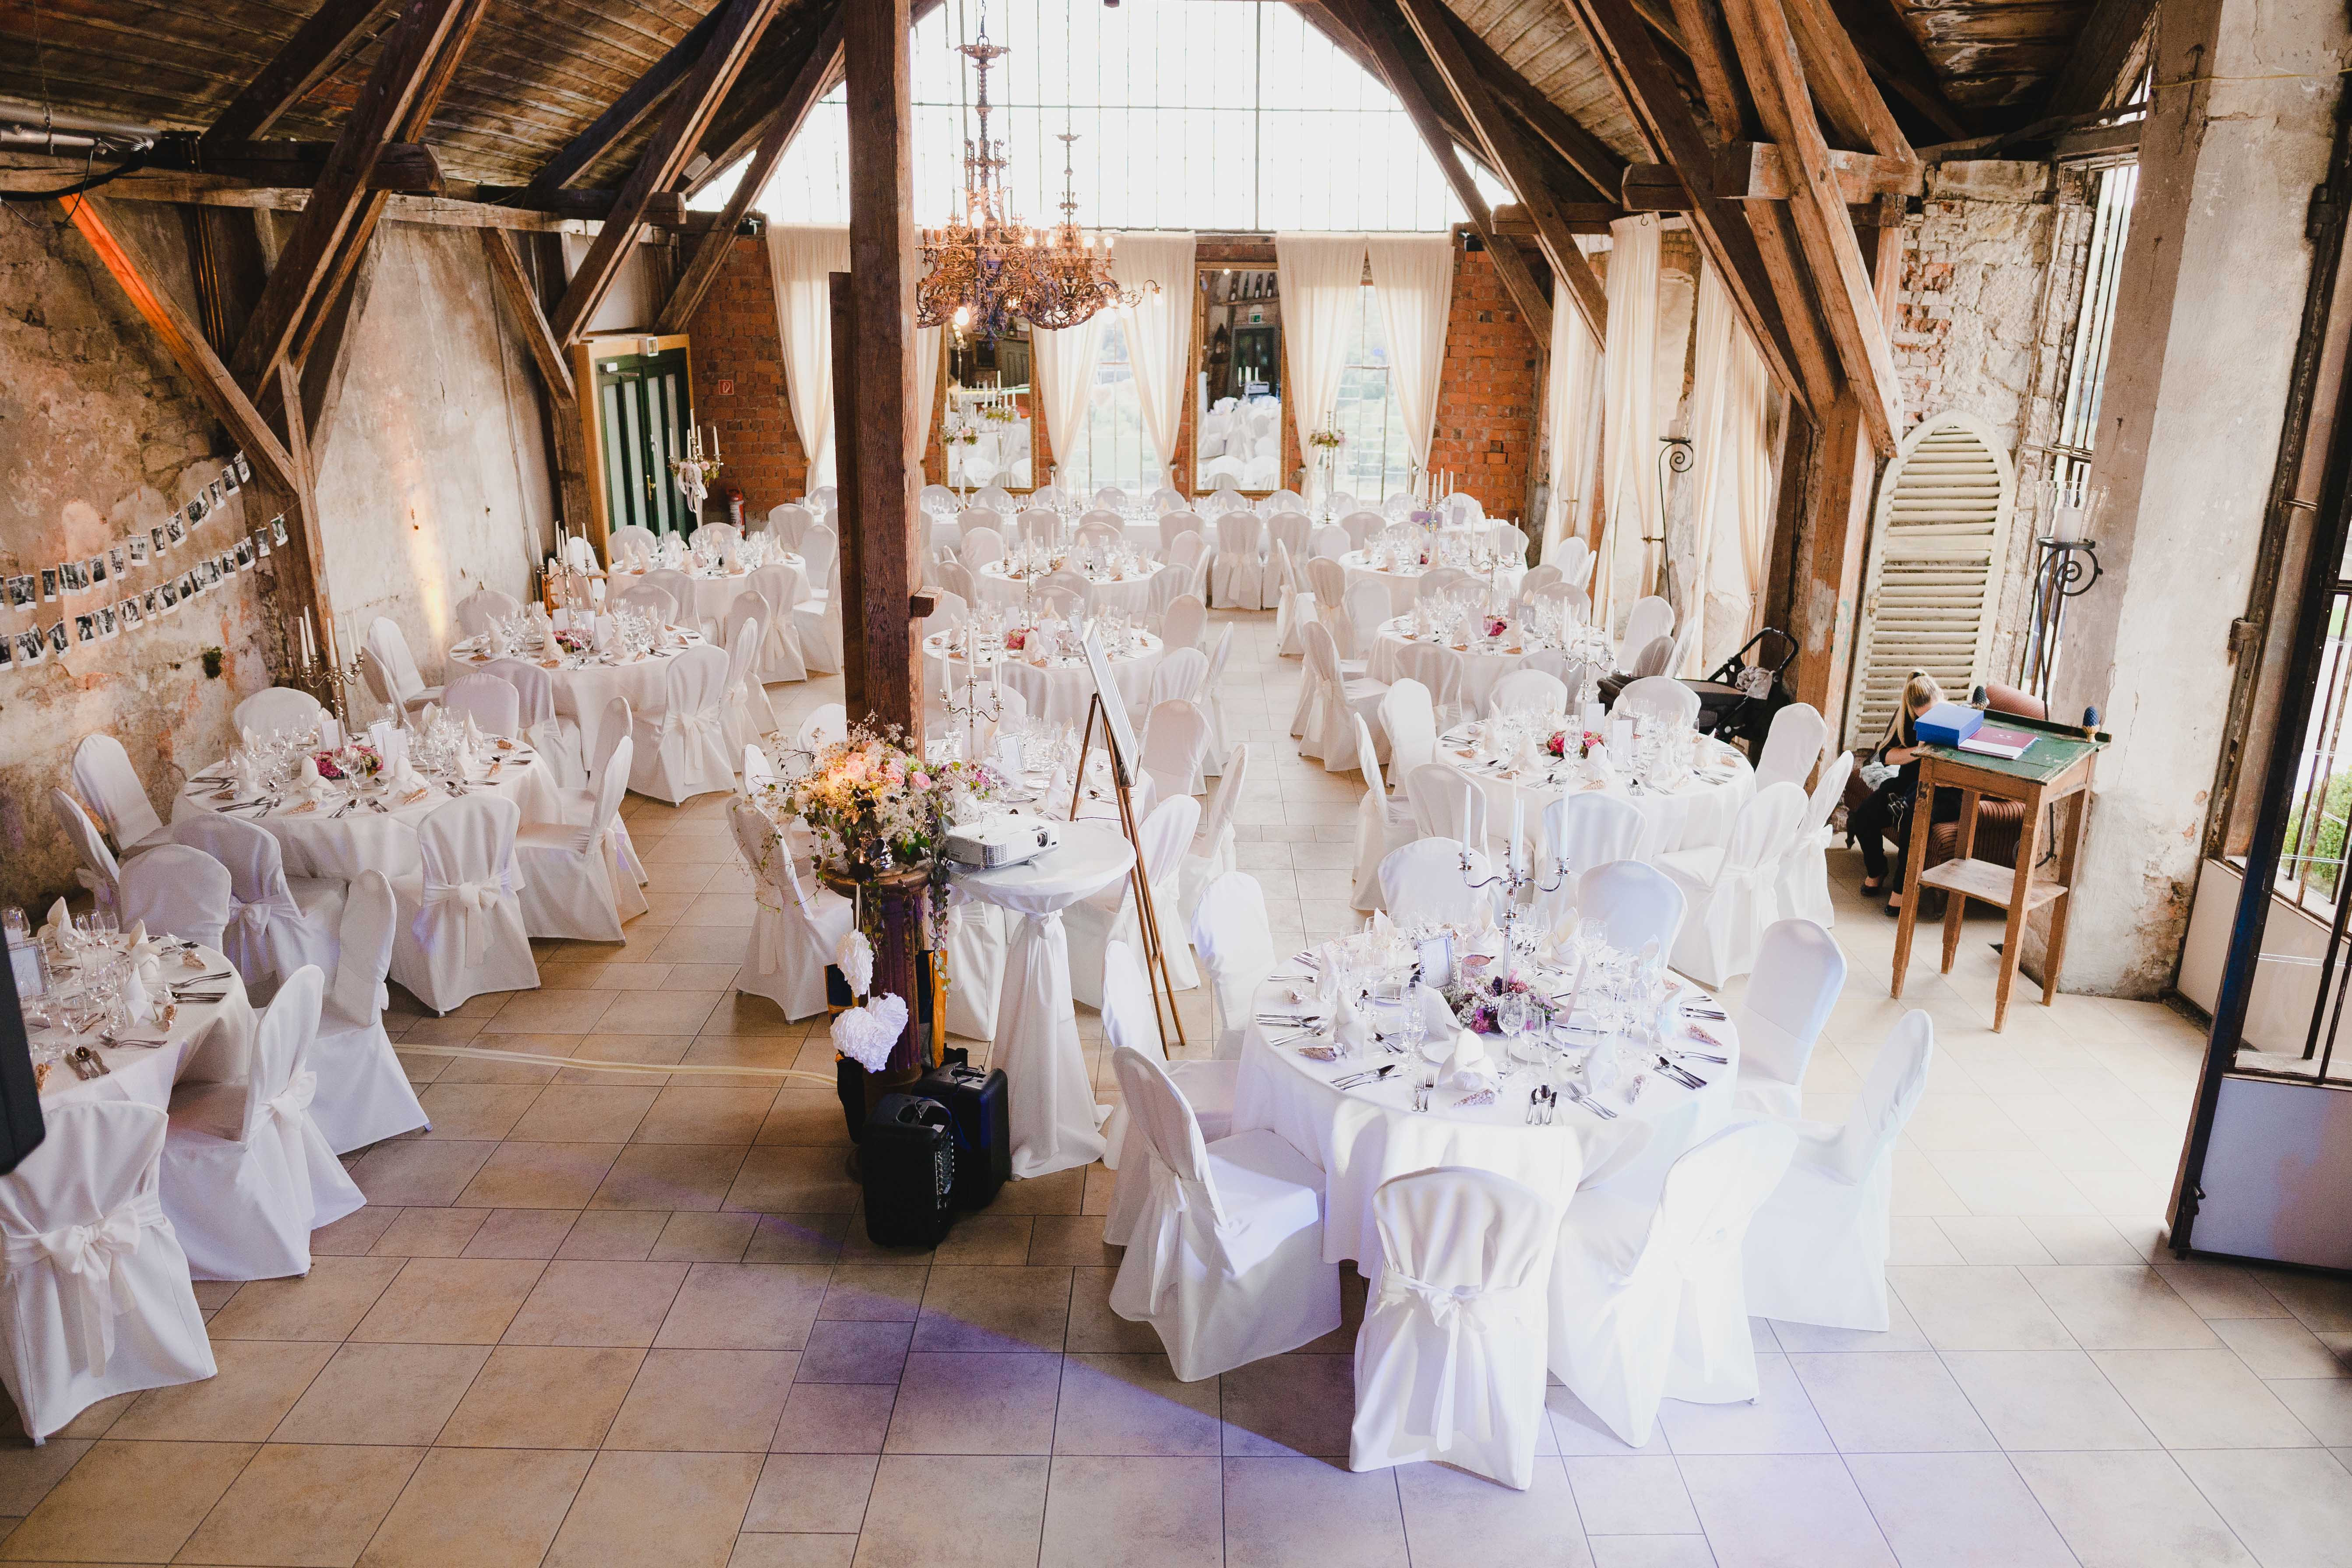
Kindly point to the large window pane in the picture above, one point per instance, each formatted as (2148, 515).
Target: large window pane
(1374, 463)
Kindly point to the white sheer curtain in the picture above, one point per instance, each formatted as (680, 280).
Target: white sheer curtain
(1734, 473)
(1158, 331)
(1319, 275)
(1573, 403)
(800, 263)
(1412, 278)
(1062, 364)
(1629, 415)
(1732, 496)
(927, 389)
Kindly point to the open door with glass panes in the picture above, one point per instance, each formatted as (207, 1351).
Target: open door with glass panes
(642, 411)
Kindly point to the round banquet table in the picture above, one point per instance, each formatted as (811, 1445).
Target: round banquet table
(1696, 815)
(1404, 583)
(1484, 660)
(1127, 595)
(318, 843)
(586, 685)
(210, 1042)
(1067, 681)
(714, 591)
(1056, 1121)
(1361, 1137)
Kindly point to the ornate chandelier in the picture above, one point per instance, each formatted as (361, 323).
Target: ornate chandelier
(985, 269)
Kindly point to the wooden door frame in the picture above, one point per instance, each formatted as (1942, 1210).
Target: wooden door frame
(585, 353)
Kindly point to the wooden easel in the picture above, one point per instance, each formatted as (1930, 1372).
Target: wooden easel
(1155, 955)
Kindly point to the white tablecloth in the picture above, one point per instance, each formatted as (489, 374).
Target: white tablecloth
(317, 843)
(1484, 661)
(1361, 1137)
(1131, 596)
(1056, 1121)
(207, 1043)
(1698, 815)
(1403, 584)
(585, 691)
(714, 592)
(1069, 683)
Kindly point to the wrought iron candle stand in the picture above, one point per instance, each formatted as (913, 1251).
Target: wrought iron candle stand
(2063, 569)
(970, 708)
(1513, 880)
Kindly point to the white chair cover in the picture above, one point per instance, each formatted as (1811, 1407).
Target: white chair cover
(1212, 697)
(796, 928)
(1211, 854)
(1792, 745)
(788, 522)
(1235, 942)
(461, 931)
(94, 1297)
(1650, 617)
(680, 589)
(1798, 973)
(1295, 601)
(277, 709)
(389, 648)
(1175, 742)
(568, 884)
(1130, 1019)
(247, 1176)
(1450, 1362)
(1183, 623)
(477, 610)
(1803, 885)
(1384, 823)
(110, 786)
(1817, 1250)
(555, 737)
(1409, 720)
(494, 705)
(1238, 580)
(1425, 882)
(1225, 1260)
(681, 749)
(1329, 735)
(1528, 691)
(748, 715)
(1637, 903)
(1659, 695)
(1646, 1301)
(1447, 805)
(818, 616)
(723, 537)
(276, 923)
(1366, 609)
(1729, 889)
(826, 723)
(578, 806)
(630, 543)
(1438, 671)
(1582, 831)
(658, 602)
(364, 1096)
(100, 872)
(1174, 525)
(1110, 915)
(176, 891)
(782, 590)
(1655, 657)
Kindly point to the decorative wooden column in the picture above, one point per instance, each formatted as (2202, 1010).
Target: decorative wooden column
(879, 436)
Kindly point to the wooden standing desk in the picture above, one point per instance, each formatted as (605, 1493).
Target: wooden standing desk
(2058, 767)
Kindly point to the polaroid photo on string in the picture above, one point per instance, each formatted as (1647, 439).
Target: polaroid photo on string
(73, 576)
(277, 530)
(128, 613)
(49, 584)
(158, 541)
(169, 594)
(7, 652)
(229, 481)
(118, 559)
(106, 623)
(212, 498)
(138, 549)
(95, 572)
(32, 646)
(244, 553)
(58, 637)
(192, 584)
(197, 510)
(21, 592)
(151, 603)
(244, 465)
(261, 544)
(174, 530)
(213, 569)
(228, 563)
(84, 629)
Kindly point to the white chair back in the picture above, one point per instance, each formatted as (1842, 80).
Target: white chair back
(1765, 827)
(104, 778)
(1425, 882)
(629, 543)
(1173, 526)
(1235, 942)
(1359, 527)
(1650, 617)
(1538, 579)
(1175, 743)
(100, 872)
(1712, 1191)
(534, 693)
(1222, 799)
(1528, 691)
(1635, 903)
(1409, 720)
(724, 537)
(1436, 670)
(259, 892)
(1178, 677)
(819, 548)
(1185, 623)
(680, 589)
(1367, 609)
(363, 953)
(280, 1041)
(981, 546)
(1656, 658)
(492, 703)
(278, 709)
(1591, 828)
(826, 723)
(1660, 695)
(477, 610)
(611, 732)
(1446, 804)
(389, 649)
(1799, 975)
(789, 522)
(1792, 746)
(177, 890)
(1130, 1020)
(647, 598)
(1171, 1133)
(467, 849)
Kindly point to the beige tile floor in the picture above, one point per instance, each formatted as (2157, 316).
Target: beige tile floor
(590, 1319)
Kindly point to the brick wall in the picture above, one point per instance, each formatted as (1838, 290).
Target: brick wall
(1486, 393)
(738, 382)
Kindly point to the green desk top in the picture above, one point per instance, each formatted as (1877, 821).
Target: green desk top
(2051, 754)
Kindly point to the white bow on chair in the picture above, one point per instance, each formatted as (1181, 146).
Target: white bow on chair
(1459, 1312)
(1163, 1222)
(89, 1260)
(471, 901)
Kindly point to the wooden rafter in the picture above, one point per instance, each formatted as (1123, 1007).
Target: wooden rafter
(1840, 82)
(1626, 50)
(1843, 289)
(346, 185)
(514, 286)
(1389, 61)
(1507, 151)
(318, 45)
(643, 96)
(1585, 152)
(2100, 52)
(683, 119)
(819, 70)
(1756, 171)
(1897, 59)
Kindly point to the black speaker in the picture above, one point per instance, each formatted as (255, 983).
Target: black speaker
(21, 1127)
(906, 1160)
(976, 1100)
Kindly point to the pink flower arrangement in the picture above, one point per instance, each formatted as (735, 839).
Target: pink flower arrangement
(358, 759)
(1496, 625)
(1016, 641)
(1585, 741)
(571, 640)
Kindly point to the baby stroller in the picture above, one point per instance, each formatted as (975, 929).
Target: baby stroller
(1737, 701)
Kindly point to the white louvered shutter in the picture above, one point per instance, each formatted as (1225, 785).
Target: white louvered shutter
(1938, 543)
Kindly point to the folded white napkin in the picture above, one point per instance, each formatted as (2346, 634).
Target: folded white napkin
(1350, 1031)
(309, 782)
(144, 989)
(1436, 1017)
(60, 921)
(1468, 1067)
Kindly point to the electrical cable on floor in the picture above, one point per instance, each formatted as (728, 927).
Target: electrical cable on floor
(534, 1058)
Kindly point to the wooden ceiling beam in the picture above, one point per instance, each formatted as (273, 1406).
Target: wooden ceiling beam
(2096, 62)
(1582, 151)
(514, 286)
(617, 121)
(1842, 290)
(316, 48)
(1840, 82)
(1757, 172)
(408, 166)
(1895, 56)
(1584, 217)
(1389, 61)
(683, 119)
(1625, 49)
(820, 68)
(1506, 150)
(345, 185)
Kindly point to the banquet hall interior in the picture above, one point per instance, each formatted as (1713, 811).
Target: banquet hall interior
(1255, 781)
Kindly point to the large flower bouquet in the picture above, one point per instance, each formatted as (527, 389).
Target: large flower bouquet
(874, 806)
(355, 760)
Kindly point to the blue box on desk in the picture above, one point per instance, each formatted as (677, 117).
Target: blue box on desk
(1947, 724)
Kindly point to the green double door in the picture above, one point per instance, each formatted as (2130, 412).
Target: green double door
(642, 410)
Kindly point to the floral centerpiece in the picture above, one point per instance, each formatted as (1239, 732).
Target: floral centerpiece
(1561, 741)
(1496, 625)
(958, 431)
(571, 639)
(1002, 413)
(357, 759)
(874, 806)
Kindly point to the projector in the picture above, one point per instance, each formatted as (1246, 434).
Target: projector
(1007, 841)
